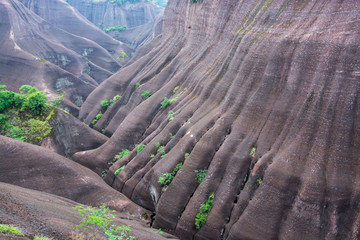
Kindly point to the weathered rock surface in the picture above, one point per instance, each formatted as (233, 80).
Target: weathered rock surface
(37, 52)
(278, 77)
(36, 168)
(139, 18)
(70, 135)
(43, 214)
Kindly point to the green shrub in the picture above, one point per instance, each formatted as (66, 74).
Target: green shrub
(200, 176)
(204, 211)
(97, 118)
(105, 103)
(17, 133)
(119, 170)
(166, 178)
(41, 238)
(6, 229)
(140, 147)
(175, 89)
(138, 85)
(118, 28)
(122, 154)
(99, 220)
(2, 87)
(252, 151)
(36, 102)
(187, 154)
(57, 100)
(167, 102)
(171, 116)
(115, 99)
(259, 181)
(122, 55)
(146, 94)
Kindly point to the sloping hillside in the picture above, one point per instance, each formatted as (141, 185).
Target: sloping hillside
(258, 97)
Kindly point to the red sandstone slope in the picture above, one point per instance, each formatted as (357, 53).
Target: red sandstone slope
(43, 214)
(279, 76)
(139, 17)
(36, 168)
(35, 52)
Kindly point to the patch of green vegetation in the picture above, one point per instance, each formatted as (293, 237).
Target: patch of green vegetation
(122, 55)
(6, 229)
(167, 102)
(160, 149)
(25, 115)
(259, 181)
(105, 103)
(146, 94)
(103, 174)
(204, 211)
(118, 28)
(57, 100)
(175, 89)
(166, 178)
(140, 147)
(187, 154)
(99, 221)
(41, 60)
(97, 118)
(138, 85)
(41, 238)
(171, 116)
(120, 2)
(119, 170)
(252, 151)
(122, 154)
(200, 176)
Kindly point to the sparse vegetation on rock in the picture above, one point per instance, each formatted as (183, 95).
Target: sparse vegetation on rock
(204, 211)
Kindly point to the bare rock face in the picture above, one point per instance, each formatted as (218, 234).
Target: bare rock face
(43, 214)
(36, 168)
(69, 135)
(37, 52)
(139, 18)
(264, 96)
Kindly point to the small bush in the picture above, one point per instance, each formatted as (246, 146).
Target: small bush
(171, 116)
(99, 220)
(200, 176)
(122, 55)
(146, 94)
(122, 154)
(252, 151)
(119, 170)
(138, 85)
(166, 178)
(140, 147)
(115, 99)
(41, 238)
(204, 211)
(105, 103)
(97, 118)
(6, 229)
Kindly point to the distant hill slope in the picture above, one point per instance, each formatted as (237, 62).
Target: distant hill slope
(36, 52)
(258, 98)
(139, 18)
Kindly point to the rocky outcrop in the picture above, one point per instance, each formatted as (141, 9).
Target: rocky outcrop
(69, 135)
(139, 18)
(36, 168)
(265, 99)
(43, 214)
(37, 52)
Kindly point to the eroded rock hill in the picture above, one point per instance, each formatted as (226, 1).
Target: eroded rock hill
(264, 96)
(43, 214)
(138, 17)
(50, 56)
